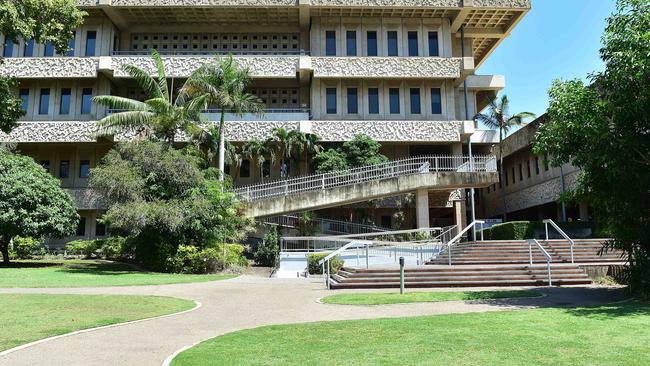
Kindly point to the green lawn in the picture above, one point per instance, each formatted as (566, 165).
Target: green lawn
(617, 334)
(85, 273)
(410, 297)
(29, 317)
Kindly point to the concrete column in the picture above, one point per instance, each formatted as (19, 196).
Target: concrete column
(422, 208)
(584, 211)
(459, 214)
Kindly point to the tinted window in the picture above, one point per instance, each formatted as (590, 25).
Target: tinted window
(372, 43)
(433, 44)
(351, 43)
(64, 169)
(86, 95)
(393, 96)
(29, 48)
(331, 100)
(353, 101)
(8, 49)
(392, 43)
(49, 49)
(373, 100)
(330, 43)
(84, 168)
(64, 106)
(413, 43)
(24, 97)
(528, 167)
(81, 227)
(245, 171)
(91, 39)
(44, 102)
(436, 101)
(71, 47)
(415, 101)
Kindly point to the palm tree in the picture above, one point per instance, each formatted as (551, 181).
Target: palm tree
(234, 157)
(307, 144)
(285, 143)
(498, 117)
(222, 85)
(160, 116)
(260, 151)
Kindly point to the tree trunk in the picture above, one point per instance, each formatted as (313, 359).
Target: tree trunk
(4, 248)
(501, 182)
(222, 146)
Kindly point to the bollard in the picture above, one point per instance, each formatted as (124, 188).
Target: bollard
(401, 275)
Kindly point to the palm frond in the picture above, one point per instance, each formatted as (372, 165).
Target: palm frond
(144, 81)
(116, 102)
(123, 121)
(162, 77)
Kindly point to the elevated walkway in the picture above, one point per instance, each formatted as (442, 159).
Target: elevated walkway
(360, 184)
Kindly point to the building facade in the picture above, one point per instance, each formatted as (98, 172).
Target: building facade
(392, 70)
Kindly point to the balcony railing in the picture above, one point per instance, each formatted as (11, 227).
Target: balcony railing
(271, 114)
(213, 53)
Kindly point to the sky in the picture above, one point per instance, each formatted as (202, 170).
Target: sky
(556, 39)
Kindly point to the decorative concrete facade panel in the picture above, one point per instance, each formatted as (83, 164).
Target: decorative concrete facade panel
(509, 4)
(389, 131)
(50, 67)
(224, 3)
(52, 131)
(259, 66)
(389, 3)
(382, 67)
(249, 130)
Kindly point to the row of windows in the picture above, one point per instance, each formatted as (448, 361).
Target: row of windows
(64, 168)
(64, 100)
(215, 42)
(393, 101)
(372, 46)
(518, 171)
(49, 51)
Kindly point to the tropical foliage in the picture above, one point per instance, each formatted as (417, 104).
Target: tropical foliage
(361, 150)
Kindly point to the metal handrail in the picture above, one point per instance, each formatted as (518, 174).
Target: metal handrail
(402, 167)
(548, 257)
(326, 225)
(457, 238)
(571, 242)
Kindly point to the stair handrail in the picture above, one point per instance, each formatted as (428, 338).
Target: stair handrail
(554, 225)
(286, 220)
(458, 236)
(548, 257)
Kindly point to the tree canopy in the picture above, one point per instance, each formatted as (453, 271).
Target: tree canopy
(604, 129)
(361, 150)
(32, 202)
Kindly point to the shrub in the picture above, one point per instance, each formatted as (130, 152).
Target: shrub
(520, 230)
(336, 263)
(267, 252)
(25, 248)
(190, 259)
(86, 248)
(113, 248)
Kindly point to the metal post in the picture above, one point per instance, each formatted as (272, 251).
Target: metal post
(563, 189)
(449, 252)
(323, 272)
(546, 230)
(530, 252)
(401, 275)
(469, 139)
(481, 231)
(548, 266)
(323, 186)
(328, 275)
(367, 262)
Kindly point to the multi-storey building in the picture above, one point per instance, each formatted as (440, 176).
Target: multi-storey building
(393, 70)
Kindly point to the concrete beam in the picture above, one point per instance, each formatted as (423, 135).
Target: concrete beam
(484, 33)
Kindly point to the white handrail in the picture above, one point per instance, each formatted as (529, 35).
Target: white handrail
(326, 225)
(571, 242)
(548, 257)
(460, 235)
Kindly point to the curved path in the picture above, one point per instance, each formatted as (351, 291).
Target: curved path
(240, 303)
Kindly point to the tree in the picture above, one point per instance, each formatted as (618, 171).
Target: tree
(222, 86)
(360, 151)
(262, 153)
(32, 203)
(285, 143)
(307, 145)
(160, 116)
(51, 21)
(498, 117)
(331, 160)
(602, 129)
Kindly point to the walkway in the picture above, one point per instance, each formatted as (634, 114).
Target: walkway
(244, 302)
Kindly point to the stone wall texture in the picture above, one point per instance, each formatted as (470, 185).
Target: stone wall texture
(525, 4)
(429, 131)
(318, 3)
(377, 67)
(257, 3)
(50, 67)
(389, 3)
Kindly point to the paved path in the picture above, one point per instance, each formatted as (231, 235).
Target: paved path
(244, 302)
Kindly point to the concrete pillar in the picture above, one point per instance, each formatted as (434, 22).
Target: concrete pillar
(422, 208)
(584, 211)
(459, 214)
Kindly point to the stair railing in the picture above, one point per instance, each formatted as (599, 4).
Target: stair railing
(548, 257)
(459, 236)
(554, 225)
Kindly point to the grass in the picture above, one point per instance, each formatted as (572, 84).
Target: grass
(29, 317)
(604, 335)
(89, 273)
(411, 297)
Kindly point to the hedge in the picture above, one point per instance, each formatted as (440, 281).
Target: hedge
(336, 263)
(520, 230)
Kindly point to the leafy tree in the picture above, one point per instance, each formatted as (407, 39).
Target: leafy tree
(307, 145)
(286, 143)
(498, 117)
(51, 21)
(360, 151)
(331, 160)
(603, 129)
(160, 116)
(32, 203)
(222, 86)
(262, 153)
(268, 250)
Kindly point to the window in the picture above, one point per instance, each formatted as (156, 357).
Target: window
(433, 44)
(331, 100)
(266, 169)
(84, 168)
(330, 43)
(528, 167)
(513, 175)
(393, 100)
(86, 95)
(521, 173)
(44, 102)
(91, 40)
(49, 49)
(392, 43)
(46, 165)
(64, 105)
(353, 101)
(245, 171)
(8, 49)
(373, 100)
(28, 51)
(100, 228)
(81, 227)
(385, 221)
(71, 47)
(371, 42)
(436, 101)
(226, 169)
(24, 97)
(351, 43)
(64, 169)
(415, 101)
(413, 43)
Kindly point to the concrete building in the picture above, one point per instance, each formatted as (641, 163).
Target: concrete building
(532, 186)
(393, 70)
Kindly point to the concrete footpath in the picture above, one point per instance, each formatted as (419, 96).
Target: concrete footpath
(245, 302)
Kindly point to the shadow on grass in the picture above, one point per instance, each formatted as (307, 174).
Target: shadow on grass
(102, 268)
(31, 264)
(624, 309)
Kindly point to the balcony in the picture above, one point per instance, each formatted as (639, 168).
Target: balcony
(387, 67)
(271, 114)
